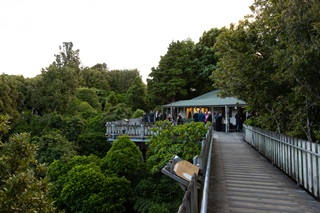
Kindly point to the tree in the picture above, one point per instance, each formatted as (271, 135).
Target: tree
(96, 77)
(34, 99)
(170, 81)
(118, 112)
(157, 192)
(93, 143)
(268, 62)
(54, 146)
(67, 56)
(9, 95)
(205, 60)
(79, 185)
(22, 187)
(61, 79)
(125, 159)
(83, 108)
(121, 80)
(4, 124)
(136, 95)
(170, 140)
(246, 69)
(90, 96)
(296, 56)
(89, 190)
(138, 113)
(112, 99)
(73, 127)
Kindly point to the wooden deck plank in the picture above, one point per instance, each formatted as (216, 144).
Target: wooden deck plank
(242, 180)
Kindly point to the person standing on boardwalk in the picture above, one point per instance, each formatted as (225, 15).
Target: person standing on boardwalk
(180, 119)
(151, 117)
(219, 122)
(201, 117)
(209, 118)
(238, 122)
(145, 118)
(159, 116)
(196, 116)
(170, 118)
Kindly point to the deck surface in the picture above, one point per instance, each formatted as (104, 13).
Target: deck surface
(242, 180)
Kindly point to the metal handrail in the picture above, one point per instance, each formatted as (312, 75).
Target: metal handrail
(196, 197)
(205, 192)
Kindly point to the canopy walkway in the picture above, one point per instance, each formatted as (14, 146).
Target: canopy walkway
(243, 180)
(253, 171)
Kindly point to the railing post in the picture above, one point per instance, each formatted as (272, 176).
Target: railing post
(112, 131)
(107, 127)
(142, 131)
(195, 207)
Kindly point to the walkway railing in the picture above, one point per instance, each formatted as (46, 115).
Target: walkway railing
(138, 132)
(298, 158)
(196, 197)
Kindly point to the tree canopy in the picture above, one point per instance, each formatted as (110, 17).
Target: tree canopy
(184, 71)
(23, 187)
(268, 60)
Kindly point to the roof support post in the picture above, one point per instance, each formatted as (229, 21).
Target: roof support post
(226, 120)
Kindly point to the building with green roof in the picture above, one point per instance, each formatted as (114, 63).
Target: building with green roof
(208, 102)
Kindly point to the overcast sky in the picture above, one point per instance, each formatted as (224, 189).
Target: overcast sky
(124, 34)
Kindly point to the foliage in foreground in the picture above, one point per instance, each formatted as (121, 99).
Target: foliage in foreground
(125, 159)
(23, 187)
(80, 185)
(170, 140)
(87, 183)
(157, 192)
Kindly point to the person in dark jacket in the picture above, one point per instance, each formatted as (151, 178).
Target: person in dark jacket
(219, 122)
(151, 117)
(180, 119)
(196, 116)
(145, 118)
(209, 118)
(238, 122)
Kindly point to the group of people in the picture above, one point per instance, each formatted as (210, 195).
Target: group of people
(202, 117)
(179, 119)
(218, 122)
(216, 119)
(152, 117)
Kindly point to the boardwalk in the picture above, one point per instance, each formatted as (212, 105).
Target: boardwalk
(242, 180)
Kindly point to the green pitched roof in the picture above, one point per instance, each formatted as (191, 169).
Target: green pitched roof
(208, 99)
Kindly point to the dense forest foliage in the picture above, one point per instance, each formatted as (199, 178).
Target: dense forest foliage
(271, 61)
(54, 126)
(54, 155)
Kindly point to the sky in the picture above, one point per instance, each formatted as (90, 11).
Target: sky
(124, 34)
